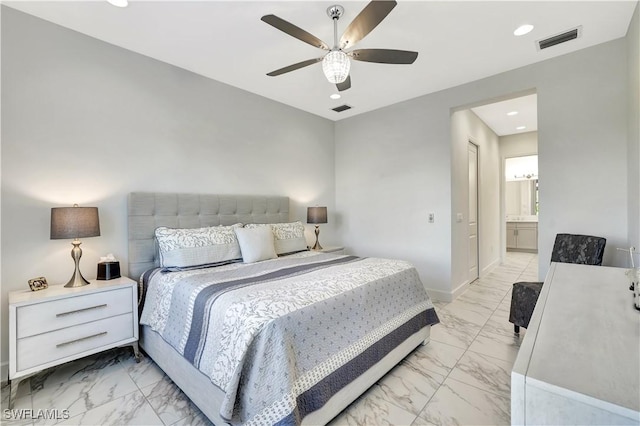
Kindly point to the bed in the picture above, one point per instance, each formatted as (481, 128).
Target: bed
(287, 340)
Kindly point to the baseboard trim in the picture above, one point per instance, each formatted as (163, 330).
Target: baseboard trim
(439, 295)
(460, 289)
(489, 267)
(449, 296)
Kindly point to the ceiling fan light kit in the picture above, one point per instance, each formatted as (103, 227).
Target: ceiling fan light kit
(336, 64)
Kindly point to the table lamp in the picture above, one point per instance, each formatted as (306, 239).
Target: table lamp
(317, 215)
(75, 222)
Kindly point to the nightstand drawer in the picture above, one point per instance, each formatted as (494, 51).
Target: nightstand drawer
(43, 348)
(52, 315)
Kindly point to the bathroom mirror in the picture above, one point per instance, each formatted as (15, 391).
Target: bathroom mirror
(521, 197)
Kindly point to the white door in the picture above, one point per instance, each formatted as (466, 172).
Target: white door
(473, 212)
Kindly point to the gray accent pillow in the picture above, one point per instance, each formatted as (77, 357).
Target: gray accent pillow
(181, 248)
(289, 237)
(256, 244)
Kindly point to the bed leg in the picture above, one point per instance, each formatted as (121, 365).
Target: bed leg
(427, 339)
(136, 351)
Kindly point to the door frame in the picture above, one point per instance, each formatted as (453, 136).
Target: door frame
(471, 141)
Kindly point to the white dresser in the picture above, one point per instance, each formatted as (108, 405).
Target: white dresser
(56, 325)
(579, 362)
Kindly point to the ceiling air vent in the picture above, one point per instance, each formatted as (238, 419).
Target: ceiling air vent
(341, 108)
(559, 38)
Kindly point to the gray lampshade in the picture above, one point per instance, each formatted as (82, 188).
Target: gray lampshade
(74, 222)
(316, 215)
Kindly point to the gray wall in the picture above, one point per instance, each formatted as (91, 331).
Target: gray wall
(410, 163)
(87, 122)
(393, 168)
(633, 62)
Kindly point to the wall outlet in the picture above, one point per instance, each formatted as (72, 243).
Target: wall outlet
(459, 217)
(431, 217)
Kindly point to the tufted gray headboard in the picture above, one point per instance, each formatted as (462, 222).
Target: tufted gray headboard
(149, 210)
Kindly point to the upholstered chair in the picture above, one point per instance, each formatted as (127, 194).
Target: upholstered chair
(568, 248)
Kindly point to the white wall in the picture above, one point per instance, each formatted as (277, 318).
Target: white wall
(465, 127)
(87, 122)
(394, 165)
(633, 62)
(518, 145)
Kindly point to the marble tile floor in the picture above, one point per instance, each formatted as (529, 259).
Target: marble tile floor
(461, 377)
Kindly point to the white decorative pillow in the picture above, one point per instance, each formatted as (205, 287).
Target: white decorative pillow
(183, 248)
(289, 237)
(256, 244)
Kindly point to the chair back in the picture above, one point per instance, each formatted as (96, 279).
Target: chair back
(582, 249)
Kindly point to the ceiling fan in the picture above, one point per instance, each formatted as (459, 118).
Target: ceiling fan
(336, 63)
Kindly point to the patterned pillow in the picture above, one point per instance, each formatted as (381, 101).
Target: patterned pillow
(289, 237)
(183, 248)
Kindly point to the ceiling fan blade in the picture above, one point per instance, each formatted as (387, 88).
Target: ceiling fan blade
(344, 85)
(365, 22)
(384, 56)
(294, 67)
(294, 31)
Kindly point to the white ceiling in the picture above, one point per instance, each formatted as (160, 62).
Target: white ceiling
(495, 115)
(458, 42)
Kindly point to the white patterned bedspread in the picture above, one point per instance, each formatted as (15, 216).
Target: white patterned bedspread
(276, 336)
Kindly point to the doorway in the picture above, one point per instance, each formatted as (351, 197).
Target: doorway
(521, 203)
(473, 211)
(515, 121)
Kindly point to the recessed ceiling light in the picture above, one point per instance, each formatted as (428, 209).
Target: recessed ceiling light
(119, 3)
(521, 127)
(335, 96)
(523, 29)
(512, 113)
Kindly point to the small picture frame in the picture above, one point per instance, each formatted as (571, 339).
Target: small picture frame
(39, 283)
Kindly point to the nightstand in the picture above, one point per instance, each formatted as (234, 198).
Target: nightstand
(57, 325)
(335, 250)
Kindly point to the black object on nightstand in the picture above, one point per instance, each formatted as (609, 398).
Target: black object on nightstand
(108, 270)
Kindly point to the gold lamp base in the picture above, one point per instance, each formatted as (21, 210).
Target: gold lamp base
(77, 280)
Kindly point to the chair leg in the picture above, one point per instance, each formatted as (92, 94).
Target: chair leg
(516, 329)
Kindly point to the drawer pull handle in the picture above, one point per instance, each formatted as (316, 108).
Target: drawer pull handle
(81, 310)
(81, 339)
